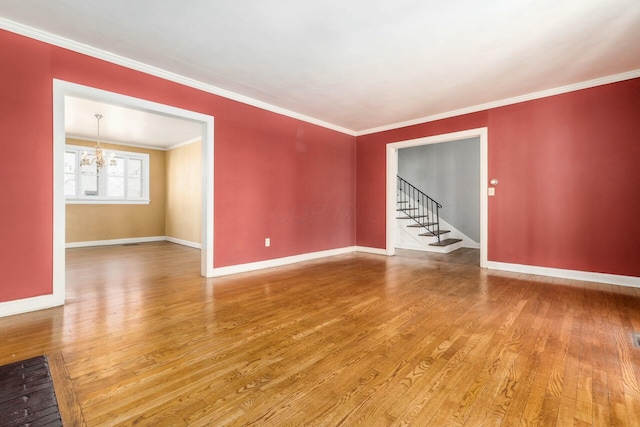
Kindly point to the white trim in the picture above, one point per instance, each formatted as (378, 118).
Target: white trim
(107, 202)
(25, 305)
(484, 197)
(508, 101)
(55, 40)
(131, 240)
(182, 144)
(59, 200)
(392, 171)
(110, 242)
(391, 205)
(111, 142)
(206, 257)
(63, 88)
(183, 242)
(278, 262)
(585, 276)
(47, 301)
(10, 308)
(369, 250)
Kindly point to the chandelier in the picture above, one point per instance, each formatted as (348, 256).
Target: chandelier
(98, 158)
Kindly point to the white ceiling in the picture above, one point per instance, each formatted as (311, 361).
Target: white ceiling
(125, 125)
(358, 64)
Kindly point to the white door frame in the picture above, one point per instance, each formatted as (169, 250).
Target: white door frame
(392, 182)
(63, 88)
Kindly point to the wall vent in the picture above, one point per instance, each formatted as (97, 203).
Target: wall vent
(636, 339)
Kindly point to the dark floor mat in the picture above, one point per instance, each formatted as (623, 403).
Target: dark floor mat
(27, 397)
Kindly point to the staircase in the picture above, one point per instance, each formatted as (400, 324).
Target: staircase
(421, 213)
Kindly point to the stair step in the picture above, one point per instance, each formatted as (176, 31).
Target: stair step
(422, 224)
(446, 242)
(435, 233)
(402, 201)
(411, 217)
(407, 209)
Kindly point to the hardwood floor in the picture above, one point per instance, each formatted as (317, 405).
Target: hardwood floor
(357, 339)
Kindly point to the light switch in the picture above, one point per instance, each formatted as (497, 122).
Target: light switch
(492, 191)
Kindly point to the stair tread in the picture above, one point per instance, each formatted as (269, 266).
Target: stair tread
(422, 224)
(446, 242)
(413, 217)
(407, 209)
(434, 233)
(402, 201)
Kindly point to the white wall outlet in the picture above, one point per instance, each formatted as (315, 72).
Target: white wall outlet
(267, 242)
(492, 191)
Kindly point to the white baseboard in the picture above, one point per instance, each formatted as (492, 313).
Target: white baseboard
(115, 241)
(183, 242)
(585, 276)
(25, 305)
(369, 250)
(278, 262)
(41, 302)
(133, 240)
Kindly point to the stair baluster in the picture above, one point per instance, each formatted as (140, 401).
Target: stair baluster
(422, 209)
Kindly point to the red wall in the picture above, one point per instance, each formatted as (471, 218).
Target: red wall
(569, 179)
(568, 165)
(275, 176)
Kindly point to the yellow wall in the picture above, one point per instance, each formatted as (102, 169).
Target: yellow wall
(184, 192)
(86, 222)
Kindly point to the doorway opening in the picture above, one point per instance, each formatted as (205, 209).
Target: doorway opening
(62, 90)
(392, 172)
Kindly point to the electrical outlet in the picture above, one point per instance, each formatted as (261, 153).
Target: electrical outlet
(267, 242)
(492, 191)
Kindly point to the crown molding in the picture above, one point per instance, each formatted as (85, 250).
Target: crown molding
(63, 42)
(111, 142)
(508, 101)
(55, 40)
(132, 144)
(182, 144)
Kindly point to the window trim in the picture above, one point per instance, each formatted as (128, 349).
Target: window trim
(103, 178)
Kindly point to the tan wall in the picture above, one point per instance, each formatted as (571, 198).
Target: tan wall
(105, 222)
(184, 193)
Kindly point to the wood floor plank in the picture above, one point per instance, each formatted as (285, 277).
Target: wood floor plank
(357, 339)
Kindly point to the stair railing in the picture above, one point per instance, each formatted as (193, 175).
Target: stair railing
(419, 207)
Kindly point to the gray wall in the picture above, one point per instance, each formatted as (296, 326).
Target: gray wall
(448, 172)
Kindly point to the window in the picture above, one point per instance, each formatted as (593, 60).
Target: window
(123, 179)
